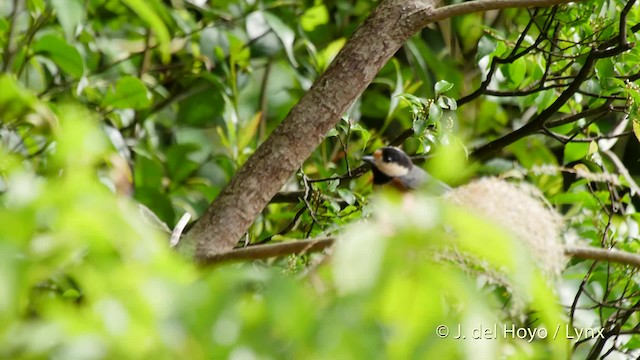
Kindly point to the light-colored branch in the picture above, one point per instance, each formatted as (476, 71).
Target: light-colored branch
(388, 27)
(270, 250)
(469, 7)
(611, 255)
(312, 245)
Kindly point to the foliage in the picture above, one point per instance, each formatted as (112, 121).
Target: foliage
(105, 104)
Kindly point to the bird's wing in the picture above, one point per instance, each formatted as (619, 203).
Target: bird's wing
(419, 178)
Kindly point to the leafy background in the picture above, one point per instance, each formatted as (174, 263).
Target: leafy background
(106, 104)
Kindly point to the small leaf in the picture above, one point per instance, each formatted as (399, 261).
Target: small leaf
(364, 134)
(486, 46)
(249, 130)
(284, 33)
(202, 108)
(129, 93)
(435, 113)
(398, 90)
(179, 166)
(442, 86)
(333, 185)
(64, 55)
(314, 17)
(574, 151)
(147, 13)
(419, 125)
(256, 25)
(347, 196)
(70, 14)
(448, 103)
(636, 129)
(517, 71)
(148, 171)
(593, 148)
(545, 98)
(333, 132)
(326, 55)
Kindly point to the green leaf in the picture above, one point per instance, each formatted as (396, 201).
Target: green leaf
(64, 55)
(398, 90)
(604, 69)
(129, 93)
(70, 14)
(442, 86)
(333, 184)
(435, 113)
(574, 151)
(636, 129)
(249, 131)
(517, 71)
(333, 132)
(284, 33)
(147, 13)
(347, 196)
(204, 108)
(486, 46)
(545, 98)
(326, 55)
(448, 103)
(314, 17)
(157, 202)
(179, 166)
(419, 125)
(148, 171)
(364, 134)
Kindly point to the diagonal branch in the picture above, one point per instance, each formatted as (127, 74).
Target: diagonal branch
(388, 27)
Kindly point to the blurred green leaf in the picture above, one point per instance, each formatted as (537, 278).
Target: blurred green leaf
(151, 17)
(636, 128)
(63, 54)
(71, 14)
(574, 151)
(435, 113)
(148, 172)
(284, 33)
(158, 202)
(314, 16)
(129, 92)
(179, 165)
(517, 71)
(249, 131)
(347, 196)
(442, 86)
(201, 109)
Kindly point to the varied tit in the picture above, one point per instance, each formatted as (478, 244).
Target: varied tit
(392, 166)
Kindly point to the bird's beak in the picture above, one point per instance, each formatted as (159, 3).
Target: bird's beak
(369, 159)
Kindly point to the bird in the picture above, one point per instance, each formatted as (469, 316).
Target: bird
(391, 166)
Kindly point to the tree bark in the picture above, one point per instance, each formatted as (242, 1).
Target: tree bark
(304, 128)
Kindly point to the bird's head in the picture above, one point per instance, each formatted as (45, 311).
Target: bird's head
(390, 161)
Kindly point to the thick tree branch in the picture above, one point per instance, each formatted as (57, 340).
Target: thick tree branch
(304, 128)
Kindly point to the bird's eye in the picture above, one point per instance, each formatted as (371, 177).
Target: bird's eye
(387, 159)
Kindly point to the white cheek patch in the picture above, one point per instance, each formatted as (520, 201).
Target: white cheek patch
(391, 169)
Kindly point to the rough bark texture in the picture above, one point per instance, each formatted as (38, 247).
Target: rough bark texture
(353, 69)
